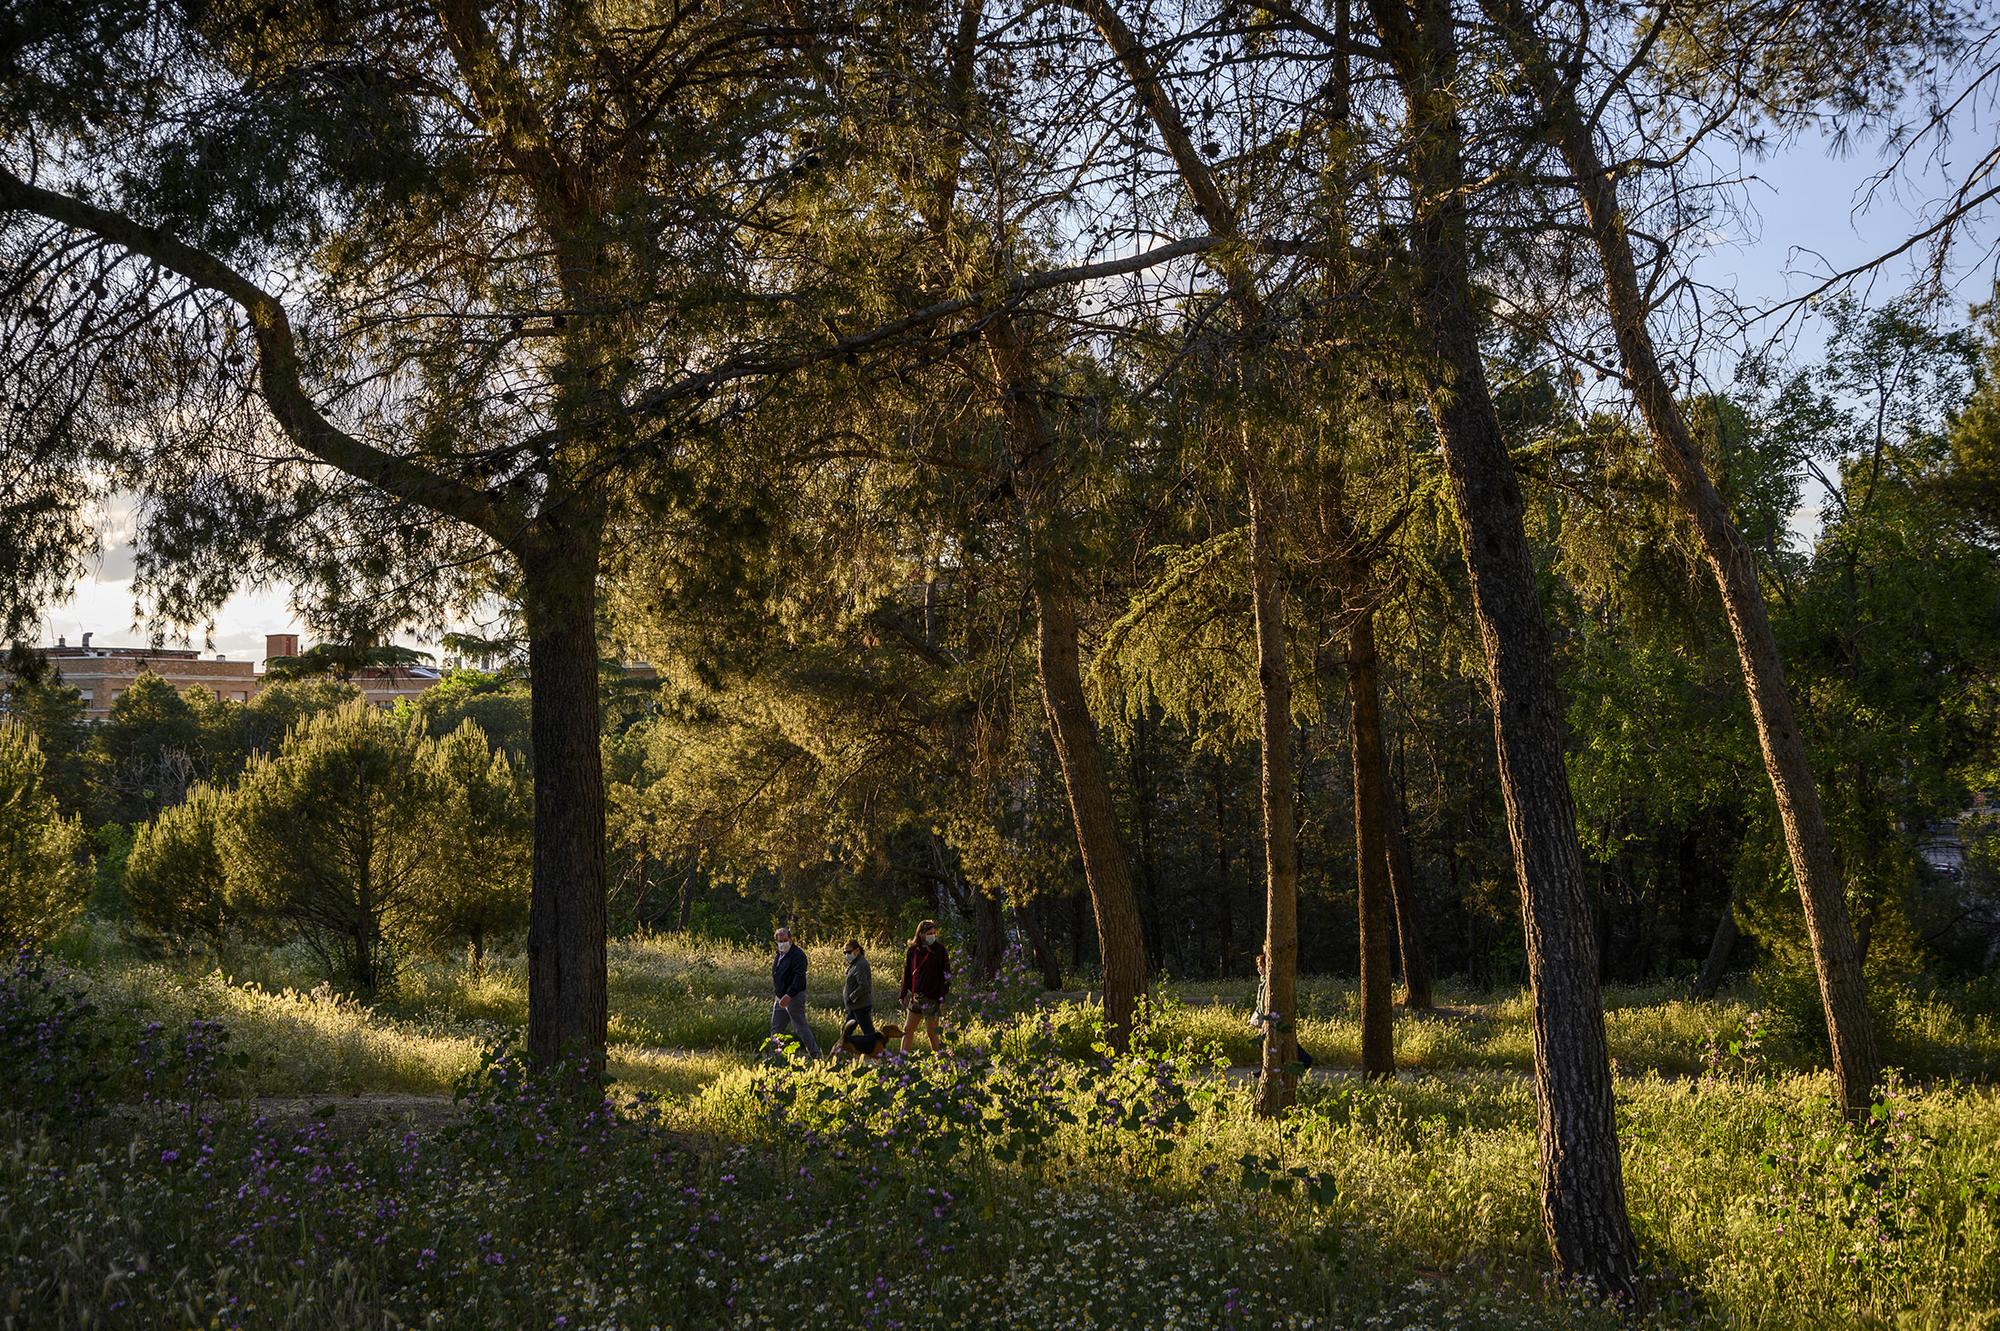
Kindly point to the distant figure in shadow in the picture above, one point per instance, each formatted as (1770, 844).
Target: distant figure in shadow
(1263, 1018)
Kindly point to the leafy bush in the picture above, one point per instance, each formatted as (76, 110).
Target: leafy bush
(175, 884)
(328, 841)
(43, 875)
(1030, 1104)
(479, 806)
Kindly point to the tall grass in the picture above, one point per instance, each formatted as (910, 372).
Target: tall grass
(677, 993)
(911, 1193)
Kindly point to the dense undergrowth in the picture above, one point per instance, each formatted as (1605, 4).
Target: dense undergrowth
(1027, 1179)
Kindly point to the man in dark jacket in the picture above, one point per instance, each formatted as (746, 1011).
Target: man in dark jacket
(788, 985)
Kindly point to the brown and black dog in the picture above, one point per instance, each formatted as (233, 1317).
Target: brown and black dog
(852, 1039)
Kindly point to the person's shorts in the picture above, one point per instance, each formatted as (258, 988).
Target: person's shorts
(924, 1007)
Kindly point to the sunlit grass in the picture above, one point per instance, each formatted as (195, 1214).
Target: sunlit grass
(677, 993)
(298, 1042)
(1756, 1206)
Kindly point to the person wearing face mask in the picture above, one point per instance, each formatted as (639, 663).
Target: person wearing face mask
(860, 996)
(926, 980)
(788, 984)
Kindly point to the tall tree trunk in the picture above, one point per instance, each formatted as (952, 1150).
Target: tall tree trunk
(1121, 944)
(1031, 917)
(1403, 893)
(1371, 842)
(1031, 459)
(1716, 964)
(1107, 871)
(566, 903)
(1225, 890)
(1277, 1082)
(989, 934)
(1582, 1185)
(1277, 1088)
(1836, 953)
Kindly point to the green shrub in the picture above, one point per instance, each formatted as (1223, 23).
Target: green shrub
(44, 875)
(175, 885)
(329, 841)
(473, 888)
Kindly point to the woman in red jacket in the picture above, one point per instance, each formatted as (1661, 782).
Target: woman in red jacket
(926, 980)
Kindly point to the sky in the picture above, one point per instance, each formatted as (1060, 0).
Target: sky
(1808, 214)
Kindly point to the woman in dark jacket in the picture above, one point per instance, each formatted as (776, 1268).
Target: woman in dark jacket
(860, 995)
(926, 980)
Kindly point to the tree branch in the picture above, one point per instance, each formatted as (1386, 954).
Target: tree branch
(277, 361)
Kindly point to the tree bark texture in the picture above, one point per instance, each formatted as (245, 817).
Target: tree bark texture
(567, 1014)
(1107, 870)
(1836, 954)
(1371, 844)
(989, 934)
(1277, 1082)
(1582, 1185)
(1114, 903)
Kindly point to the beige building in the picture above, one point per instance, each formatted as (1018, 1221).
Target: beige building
(101, 674)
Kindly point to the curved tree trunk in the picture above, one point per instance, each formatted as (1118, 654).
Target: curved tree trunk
(566, 928)
(1121, 944)
(1716, 964)
(1277, 1087)
(1107, 871)
(1371, 844)
(1582, 1185)
(1836, 955)
(1277, 1082)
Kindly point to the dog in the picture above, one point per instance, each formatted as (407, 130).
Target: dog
(853, 1038)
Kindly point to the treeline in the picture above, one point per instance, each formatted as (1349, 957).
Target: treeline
(784, 789)
(349, 832)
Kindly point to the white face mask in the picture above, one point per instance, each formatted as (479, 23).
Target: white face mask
(930, 938)
(784, 946)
